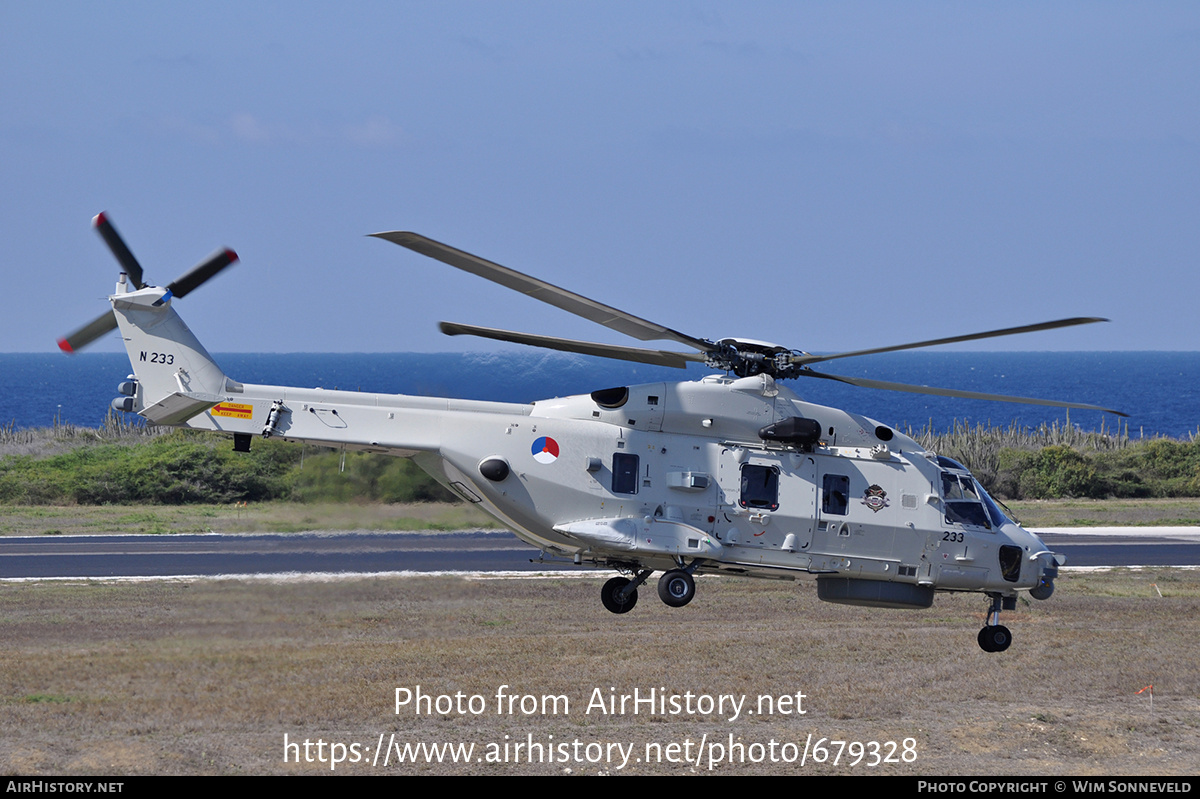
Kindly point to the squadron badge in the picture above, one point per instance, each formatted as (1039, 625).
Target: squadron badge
(875, 498)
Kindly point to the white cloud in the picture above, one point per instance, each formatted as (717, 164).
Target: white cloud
(375, 132)
(249, 128)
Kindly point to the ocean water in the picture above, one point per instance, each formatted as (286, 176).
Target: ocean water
(1157, 389)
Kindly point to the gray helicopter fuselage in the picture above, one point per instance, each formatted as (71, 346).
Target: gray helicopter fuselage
(676, 472)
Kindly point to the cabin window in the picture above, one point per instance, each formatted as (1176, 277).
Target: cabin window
(760, 487)
(625, 473)
(835, 494)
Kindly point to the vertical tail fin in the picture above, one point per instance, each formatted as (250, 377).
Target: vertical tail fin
(177, 378)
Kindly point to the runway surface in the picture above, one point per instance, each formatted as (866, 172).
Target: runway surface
(351, 552)
(331, 552)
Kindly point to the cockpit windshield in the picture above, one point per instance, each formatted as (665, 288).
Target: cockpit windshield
(966, 501)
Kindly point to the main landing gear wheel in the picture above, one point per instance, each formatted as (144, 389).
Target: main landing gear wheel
(994, 639)
(676, 588)
(610, 595)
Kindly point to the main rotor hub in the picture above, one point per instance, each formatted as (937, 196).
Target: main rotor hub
(747, 358)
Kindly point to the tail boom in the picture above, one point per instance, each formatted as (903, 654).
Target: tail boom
(179, 383)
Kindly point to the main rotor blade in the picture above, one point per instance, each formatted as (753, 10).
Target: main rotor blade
(203, 272)
(569, 301)
(950, 392)
(800, 360)
(88, 333)
(113, 239)
(677, 360)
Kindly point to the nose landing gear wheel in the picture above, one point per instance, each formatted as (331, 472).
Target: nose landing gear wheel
(676, 588)
(995, 639)
(610, 595)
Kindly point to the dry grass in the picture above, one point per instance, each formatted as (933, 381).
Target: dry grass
(280, 517)
(208, 677)
(1107, 512)
(260, 517)
(42, 442)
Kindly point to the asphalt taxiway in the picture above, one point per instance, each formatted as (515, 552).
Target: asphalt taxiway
(355, 552)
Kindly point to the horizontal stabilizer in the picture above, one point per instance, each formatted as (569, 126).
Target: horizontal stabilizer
(179, 407)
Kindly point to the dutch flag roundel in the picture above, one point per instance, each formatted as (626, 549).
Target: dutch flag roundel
(545, 450)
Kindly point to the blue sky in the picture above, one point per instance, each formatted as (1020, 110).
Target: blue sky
(825, 176)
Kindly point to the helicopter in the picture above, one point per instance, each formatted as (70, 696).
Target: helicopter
(730, 474)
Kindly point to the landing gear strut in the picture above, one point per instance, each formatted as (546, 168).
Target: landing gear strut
(676, 588)
(995, 637)
(619, 594)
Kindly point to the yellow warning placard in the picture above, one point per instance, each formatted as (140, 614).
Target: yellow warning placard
(234, 409)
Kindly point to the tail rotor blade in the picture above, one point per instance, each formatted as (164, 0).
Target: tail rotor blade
(88, 333)
(115, 243)
(205, 271)
(130, 266)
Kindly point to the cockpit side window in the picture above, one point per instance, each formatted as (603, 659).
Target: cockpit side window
(963, 504)
(968, 488)
(998, 517)
(950, 487)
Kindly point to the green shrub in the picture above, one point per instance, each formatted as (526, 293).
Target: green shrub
(183, 466)
(367, 477)
(178, 467)
(1058, 471)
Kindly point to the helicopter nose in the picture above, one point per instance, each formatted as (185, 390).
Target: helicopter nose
(1049, 562)
(1044, 589)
